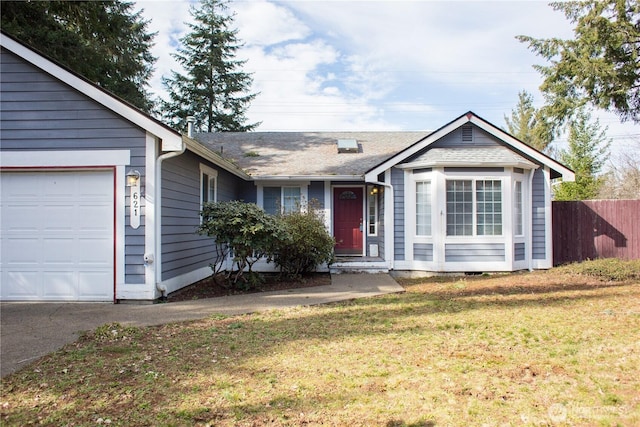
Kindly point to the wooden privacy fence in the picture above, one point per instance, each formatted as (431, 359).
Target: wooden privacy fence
(593, 229)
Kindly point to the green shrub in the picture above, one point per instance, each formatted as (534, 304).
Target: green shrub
(245, 231)
(611, 269)
(308, 245)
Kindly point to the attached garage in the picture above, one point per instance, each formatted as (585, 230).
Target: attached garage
(84, 203)
(57, 235)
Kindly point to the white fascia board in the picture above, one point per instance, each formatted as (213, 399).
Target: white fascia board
(171, 139)
(283, 182)
(420, 145)
(307, 178)
(567, 174)
(206, 153)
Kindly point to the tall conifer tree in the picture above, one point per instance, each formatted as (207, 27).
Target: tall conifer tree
(588, 150)
(104, 41)
(213, 89)
(524, 123)
(600, 66)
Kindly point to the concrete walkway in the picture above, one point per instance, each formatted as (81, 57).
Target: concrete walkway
(29, 331)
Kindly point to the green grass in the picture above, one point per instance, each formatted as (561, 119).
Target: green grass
(546, 348)
(606, 269)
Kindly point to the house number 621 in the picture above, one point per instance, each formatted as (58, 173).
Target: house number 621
(134, 215)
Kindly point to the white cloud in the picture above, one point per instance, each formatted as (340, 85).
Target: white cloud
(262, 23)
(167, 19)
(374, 65)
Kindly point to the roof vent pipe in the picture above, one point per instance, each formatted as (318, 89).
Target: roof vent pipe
(190, 121)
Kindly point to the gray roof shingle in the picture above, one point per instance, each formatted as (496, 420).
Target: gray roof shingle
(306, 153)
(472, 156)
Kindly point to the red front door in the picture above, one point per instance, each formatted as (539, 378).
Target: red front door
(347, 220)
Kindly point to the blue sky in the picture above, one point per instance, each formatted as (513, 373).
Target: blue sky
(381, 65)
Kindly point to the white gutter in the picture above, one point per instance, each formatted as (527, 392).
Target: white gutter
(307, 177)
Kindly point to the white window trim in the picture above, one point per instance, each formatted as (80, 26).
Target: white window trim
(375, 207)
(411, 237)
(283, 198)
(410, 204)
(506, 226)
(415, 210)
(522, 208)
(212, 173)
(303, 185)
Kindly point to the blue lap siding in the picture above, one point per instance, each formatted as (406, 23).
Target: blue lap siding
(39, 112)
(183, 249)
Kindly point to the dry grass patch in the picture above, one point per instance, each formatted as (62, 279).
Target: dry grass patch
(541, 348)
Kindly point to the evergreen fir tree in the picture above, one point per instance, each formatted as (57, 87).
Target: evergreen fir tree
(525, 123)
(599, 67)
(213, 89)
(588, 150)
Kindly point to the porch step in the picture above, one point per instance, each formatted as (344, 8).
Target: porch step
(358, 266)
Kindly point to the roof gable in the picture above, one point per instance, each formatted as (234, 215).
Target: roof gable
(523, 151)
(171, 139)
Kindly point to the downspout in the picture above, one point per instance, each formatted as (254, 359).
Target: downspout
(389, 219)
(158, 231)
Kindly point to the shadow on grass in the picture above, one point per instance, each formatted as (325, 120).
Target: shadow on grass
(191, 357)
(400, 423)
(526, 289)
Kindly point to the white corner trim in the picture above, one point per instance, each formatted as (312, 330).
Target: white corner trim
(120, 226)
(56, 158)
(548, 215)
(328, 206)
(150, 212)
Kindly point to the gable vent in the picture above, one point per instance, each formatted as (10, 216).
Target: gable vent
(347, 146)
(467, 133)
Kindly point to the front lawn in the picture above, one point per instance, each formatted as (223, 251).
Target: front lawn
(560, 347)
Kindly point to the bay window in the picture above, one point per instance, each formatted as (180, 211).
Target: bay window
(489, 208)
(459, 208)
(474, 205)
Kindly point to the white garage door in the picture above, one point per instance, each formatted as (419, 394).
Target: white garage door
(57, 235)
